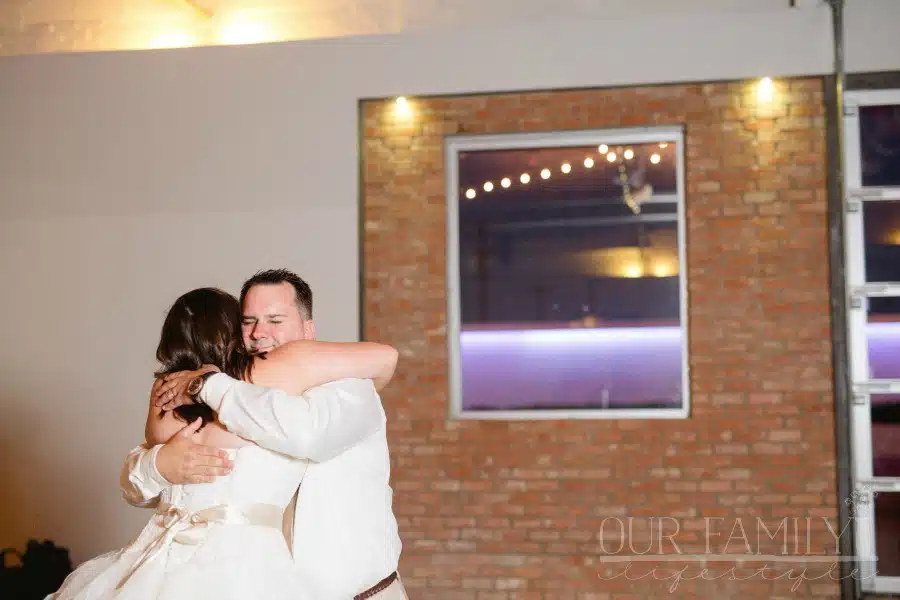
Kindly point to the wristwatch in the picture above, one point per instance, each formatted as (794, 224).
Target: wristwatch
(196, 384)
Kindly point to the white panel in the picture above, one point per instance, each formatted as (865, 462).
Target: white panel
(861, 416)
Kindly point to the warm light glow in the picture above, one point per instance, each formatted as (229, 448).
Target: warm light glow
(206, 24)
(175, 38)
(655, 158)
(765, 90)
(566, 167)
(664, 269)
(470, 193)
(603, 148)
(588, 162)
(633, 271)
(611, 157)
(629, 261)
(488, 186)
(629, 154)
(525, 178)
(240, 30)
(402, 107)
(545, 174)
(664, 144)
(505, 182)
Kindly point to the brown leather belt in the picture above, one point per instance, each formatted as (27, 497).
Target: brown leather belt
(378, 587)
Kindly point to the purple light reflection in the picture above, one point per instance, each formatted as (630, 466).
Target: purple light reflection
(617, 368)
(585, 368)
(884, 348)
(884, 344)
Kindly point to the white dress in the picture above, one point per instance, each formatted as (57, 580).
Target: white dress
(213, 541)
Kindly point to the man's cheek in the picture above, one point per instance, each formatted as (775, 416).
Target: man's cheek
(284, 336)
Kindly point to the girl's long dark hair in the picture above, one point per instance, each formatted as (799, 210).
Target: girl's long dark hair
(203, 327)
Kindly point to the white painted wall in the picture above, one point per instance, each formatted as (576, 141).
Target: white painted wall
(128, 178)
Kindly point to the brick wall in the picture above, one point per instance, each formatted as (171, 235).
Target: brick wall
(503, 510)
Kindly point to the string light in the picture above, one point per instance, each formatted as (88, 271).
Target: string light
(566, 167)
(603, 148)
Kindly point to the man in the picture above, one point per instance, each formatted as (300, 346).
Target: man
(344, 533)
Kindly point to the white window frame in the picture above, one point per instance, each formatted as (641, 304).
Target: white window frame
(557, 139)
(865, 485)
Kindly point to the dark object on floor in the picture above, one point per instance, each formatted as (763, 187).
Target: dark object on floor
(41, 570)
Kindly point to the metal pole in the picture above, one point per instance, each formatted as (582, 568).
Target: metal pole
(840, 354)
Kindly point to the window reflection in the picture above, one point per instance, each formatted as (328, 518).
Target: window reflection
(882, 233)
(879, 128)
(885, 413)
(570, 277)
(887, 532)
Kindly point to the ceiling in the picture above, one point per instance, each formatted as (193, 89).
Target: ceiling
(30, 26)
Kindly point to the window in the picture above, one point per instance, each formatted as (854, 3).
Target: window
(872, 153)
(565, 275)
(879, 136)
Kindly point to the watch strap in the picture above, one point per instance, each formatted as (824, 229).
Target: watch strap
(202, 378)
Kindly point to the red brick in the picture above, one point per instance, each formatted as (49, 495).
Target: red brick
(512, 510)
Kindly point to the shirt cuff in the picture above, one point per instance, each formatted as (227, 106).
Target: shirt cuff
(214, 389)
(149, 472)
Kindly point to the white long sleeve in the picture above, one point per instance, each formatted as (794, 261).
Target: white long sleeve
(140, 482)
(322, 423)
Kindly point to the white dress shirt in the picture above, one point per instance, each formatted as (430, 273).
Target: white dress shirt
(345, 533)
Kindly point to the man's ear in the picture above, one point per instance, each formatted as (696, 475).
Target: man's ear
(309, 329)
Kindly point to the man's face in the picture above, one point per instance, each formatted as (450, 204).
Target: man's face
(272, 317)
